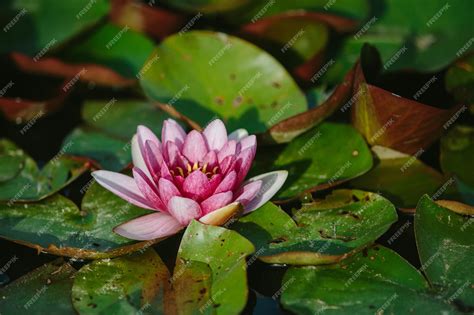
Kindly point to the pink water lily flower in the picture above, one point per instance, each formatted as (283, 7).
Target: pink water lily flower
(199, 175)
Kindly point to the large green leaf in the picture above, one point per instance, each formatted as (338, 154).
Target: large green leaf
(132, 284)
(110, 46)
(428, 39)
(109, 127)
(34, 292)
(320, 232)
(224, 251)
(376, 281)
(34, 27)
(56, 225)
(23, 181)
(446, 249)
(325, 155)
(401, 178)
(204, 74)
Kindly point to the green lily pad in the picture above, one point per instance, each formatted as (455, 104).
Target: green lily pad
(192, 284)
(457, 153)
(459, 79)
(125, 285)
(34, 291)
(204, 74)
(224, 251)
(57, 226)
(109, 127)
(110, 46)
(401, 178)
(34, 27)
(111, 153)
(324, 156)
(445, 245)
(23, 181)
(376, 281)
(320, 232)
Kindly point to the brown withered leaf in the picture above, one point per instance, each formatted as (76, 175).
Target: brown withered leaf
(85, 72)
(390, 120)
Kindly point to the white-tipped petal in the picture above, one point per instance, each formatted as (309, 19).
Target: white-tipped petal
(271, 184)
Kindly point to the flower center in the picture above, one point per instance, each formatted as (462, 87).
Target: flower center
(179, 171)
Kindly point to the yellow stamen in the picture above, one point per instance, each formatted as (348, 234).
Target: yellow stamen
(214, 170)
(180, 170)
(204, 168)
(195, 166)
(189, 168)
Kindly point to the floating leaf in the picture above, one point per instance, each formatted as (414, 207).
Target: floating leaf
(224, 251)
(192, 284)
(34, 27)
(445, 246)
(376, 281)
(55, 225)
(390, 120)
(322, 232)
(306, 159)
(220, 77)
(35, 291)
(31, 184)
(125, 285)
(109, 46)
(402, 178)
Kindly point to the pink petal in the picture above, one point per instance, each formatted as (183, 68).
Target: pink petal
(248, 142)
(184, 209)
(214, 182)
(197, 186)
(230, 148)
(173, 132)
(227, 183)
(173, 154)
(215, 134)
(211, 160)
(123, 186)
(195, 147)
(248, 192)
(228, 164)
(165, 172)
(244, 162)
(167, 190)
(138, 156)
(145, 134)
(238, 134)
(149, 227)
(216, 201)
(148, 189)
(153, 159)
(271, 183)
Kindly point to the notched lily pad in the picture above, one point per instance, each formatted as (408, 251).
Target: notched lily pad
(22, 181)
(57, 226)
(321, 232)
(125, 285)
(307, 162)
(224, 251)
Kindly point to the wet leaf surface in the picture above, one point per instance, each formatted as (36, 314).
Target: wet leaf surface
(321, 232)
